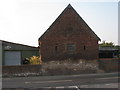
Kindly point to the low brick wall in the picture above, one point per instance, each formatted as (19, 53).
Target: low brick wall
(52, 68)
(109, 64)
(56, 68)
(23, 70)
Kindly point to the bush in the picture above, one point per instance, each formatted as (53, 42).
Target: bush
(34, 60)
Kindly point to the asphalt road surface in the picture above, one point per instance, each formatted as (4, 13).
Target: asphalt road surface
(106, 80)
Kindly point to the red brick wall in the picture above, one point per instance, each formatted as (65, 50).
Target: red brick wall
(68, 28)
(48, 51)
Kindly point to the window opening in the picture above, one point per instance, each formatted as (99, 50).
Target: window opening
(71, 48)
(84, 47)
(56, 47)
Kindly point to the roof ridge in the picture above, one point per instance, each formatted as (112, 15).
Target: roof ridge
(69, 6)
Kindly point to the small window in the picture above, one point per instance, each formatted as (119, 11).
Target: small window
(84, 47)
(56, 47)
(71, 48)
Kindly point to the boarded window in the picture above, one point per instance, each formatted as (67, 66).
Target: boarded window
(71, 48)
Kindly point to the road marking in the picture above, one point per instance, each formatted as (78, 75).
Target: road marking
(62, 87)
(107, 78)
(107, 84)
(72, 86)
(53, 81)
(49, 81)
(27, 82)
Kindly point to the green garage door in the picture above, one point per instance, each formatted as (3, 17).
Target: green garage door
(12, 57)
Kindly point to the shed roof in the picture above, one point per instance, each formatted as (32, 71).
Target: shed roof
(16, 46)
(108, 49)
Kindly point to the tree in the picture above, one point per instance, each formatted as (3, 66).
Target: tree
(105, 44)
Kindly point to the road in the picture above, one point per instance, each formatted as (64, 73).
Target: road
(105, 80)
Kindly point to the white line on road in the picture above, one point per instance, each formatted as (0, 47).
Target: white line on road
(53, 81)
(72, 86)
(58, 81)
(27, 82)
(107, 84)
(62, 87)
(107, 78)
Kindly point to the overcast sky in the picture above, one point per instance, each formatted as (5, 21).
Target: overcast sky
(24, 21)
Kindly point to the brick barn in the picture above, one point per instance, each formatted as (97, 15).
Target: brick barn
(69, 37)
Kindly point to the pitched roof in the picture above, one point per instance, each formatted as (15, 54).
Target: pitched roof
(69, 7)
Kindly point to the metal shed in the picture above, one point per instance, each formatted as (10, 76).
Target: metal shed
(108, 52)
(14, 53)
